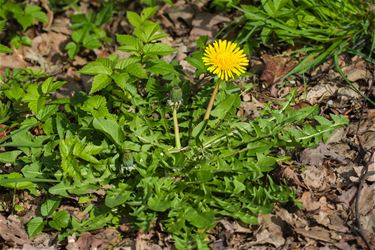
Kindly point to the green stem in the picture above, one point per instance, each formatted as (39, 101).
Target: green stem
(212, 100)
(176, 129)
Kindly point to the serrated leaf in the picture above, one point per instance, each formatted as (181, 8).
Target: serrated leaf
(157, 49)
(49, 85)
(136, 69)
(134, 19)
(123, 63)
(100, 82)
(95, 68)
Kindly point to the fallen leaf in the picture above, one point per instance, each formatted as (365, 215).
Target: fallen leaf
(206, 23)
(12, 230)
(308, 202)
(275, 68)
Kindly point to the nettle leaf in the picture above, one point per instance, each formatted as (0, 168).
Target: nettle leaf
(60, 220)
(149, 32)
(99, 82)
(49, 206)
(157, 49)
(35, 226)
(136, 69)
(96, 105)
(123, 63)
(95, 68)
(162, 68)
(49, 85)
(134, 19)
(36, 12)
(91, 42)
(129, 43)
(33, 98)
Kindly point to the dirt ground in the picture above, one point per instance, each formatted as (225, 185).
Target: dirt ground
(335, 182)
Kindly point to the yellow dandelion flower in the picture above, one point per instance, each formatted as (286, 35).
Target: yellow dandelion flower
(225, 59)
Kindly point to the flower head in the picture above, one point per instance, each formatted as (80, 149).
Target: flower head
(225, 59)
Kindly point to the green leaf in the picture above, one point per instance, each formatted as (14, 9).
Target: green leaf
(129, 43)
(49, 206)
(148, 12)
(95, 68)
(100, 82)
(158, 205)
(49, 85)
(199, 219)
(134, 19)
(157, 49)
(60, 220)
(124, 63)
(5, 49)
(36, 12)
(104, 14)
(230, 103)
(35, 226)
(10, 156)
(72, 48)
(162, 68)
(110, 128)
(136, 69)
(116, 197)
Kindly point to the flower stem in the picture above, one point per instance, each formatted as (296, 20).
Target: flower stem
(212, 100)
(176, 129)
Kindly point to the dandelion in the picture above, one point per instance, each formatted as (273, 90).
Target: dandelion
(225, 59)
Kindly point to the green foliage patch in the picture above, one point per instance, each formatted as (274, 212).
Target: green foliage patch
(25, 15)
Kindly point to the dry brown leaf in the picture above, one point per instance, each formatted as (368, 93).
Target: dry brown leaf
(270, 233)
(13, 231)
(206, 23)
(318, 178)
(316, 156)
(316, 233)
(320, 92)
(308, 202)
(275, 68)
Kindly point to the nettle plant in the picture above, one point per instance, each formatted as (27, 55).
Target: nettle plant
(140, 147)
(25, 15)
(88, 31)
